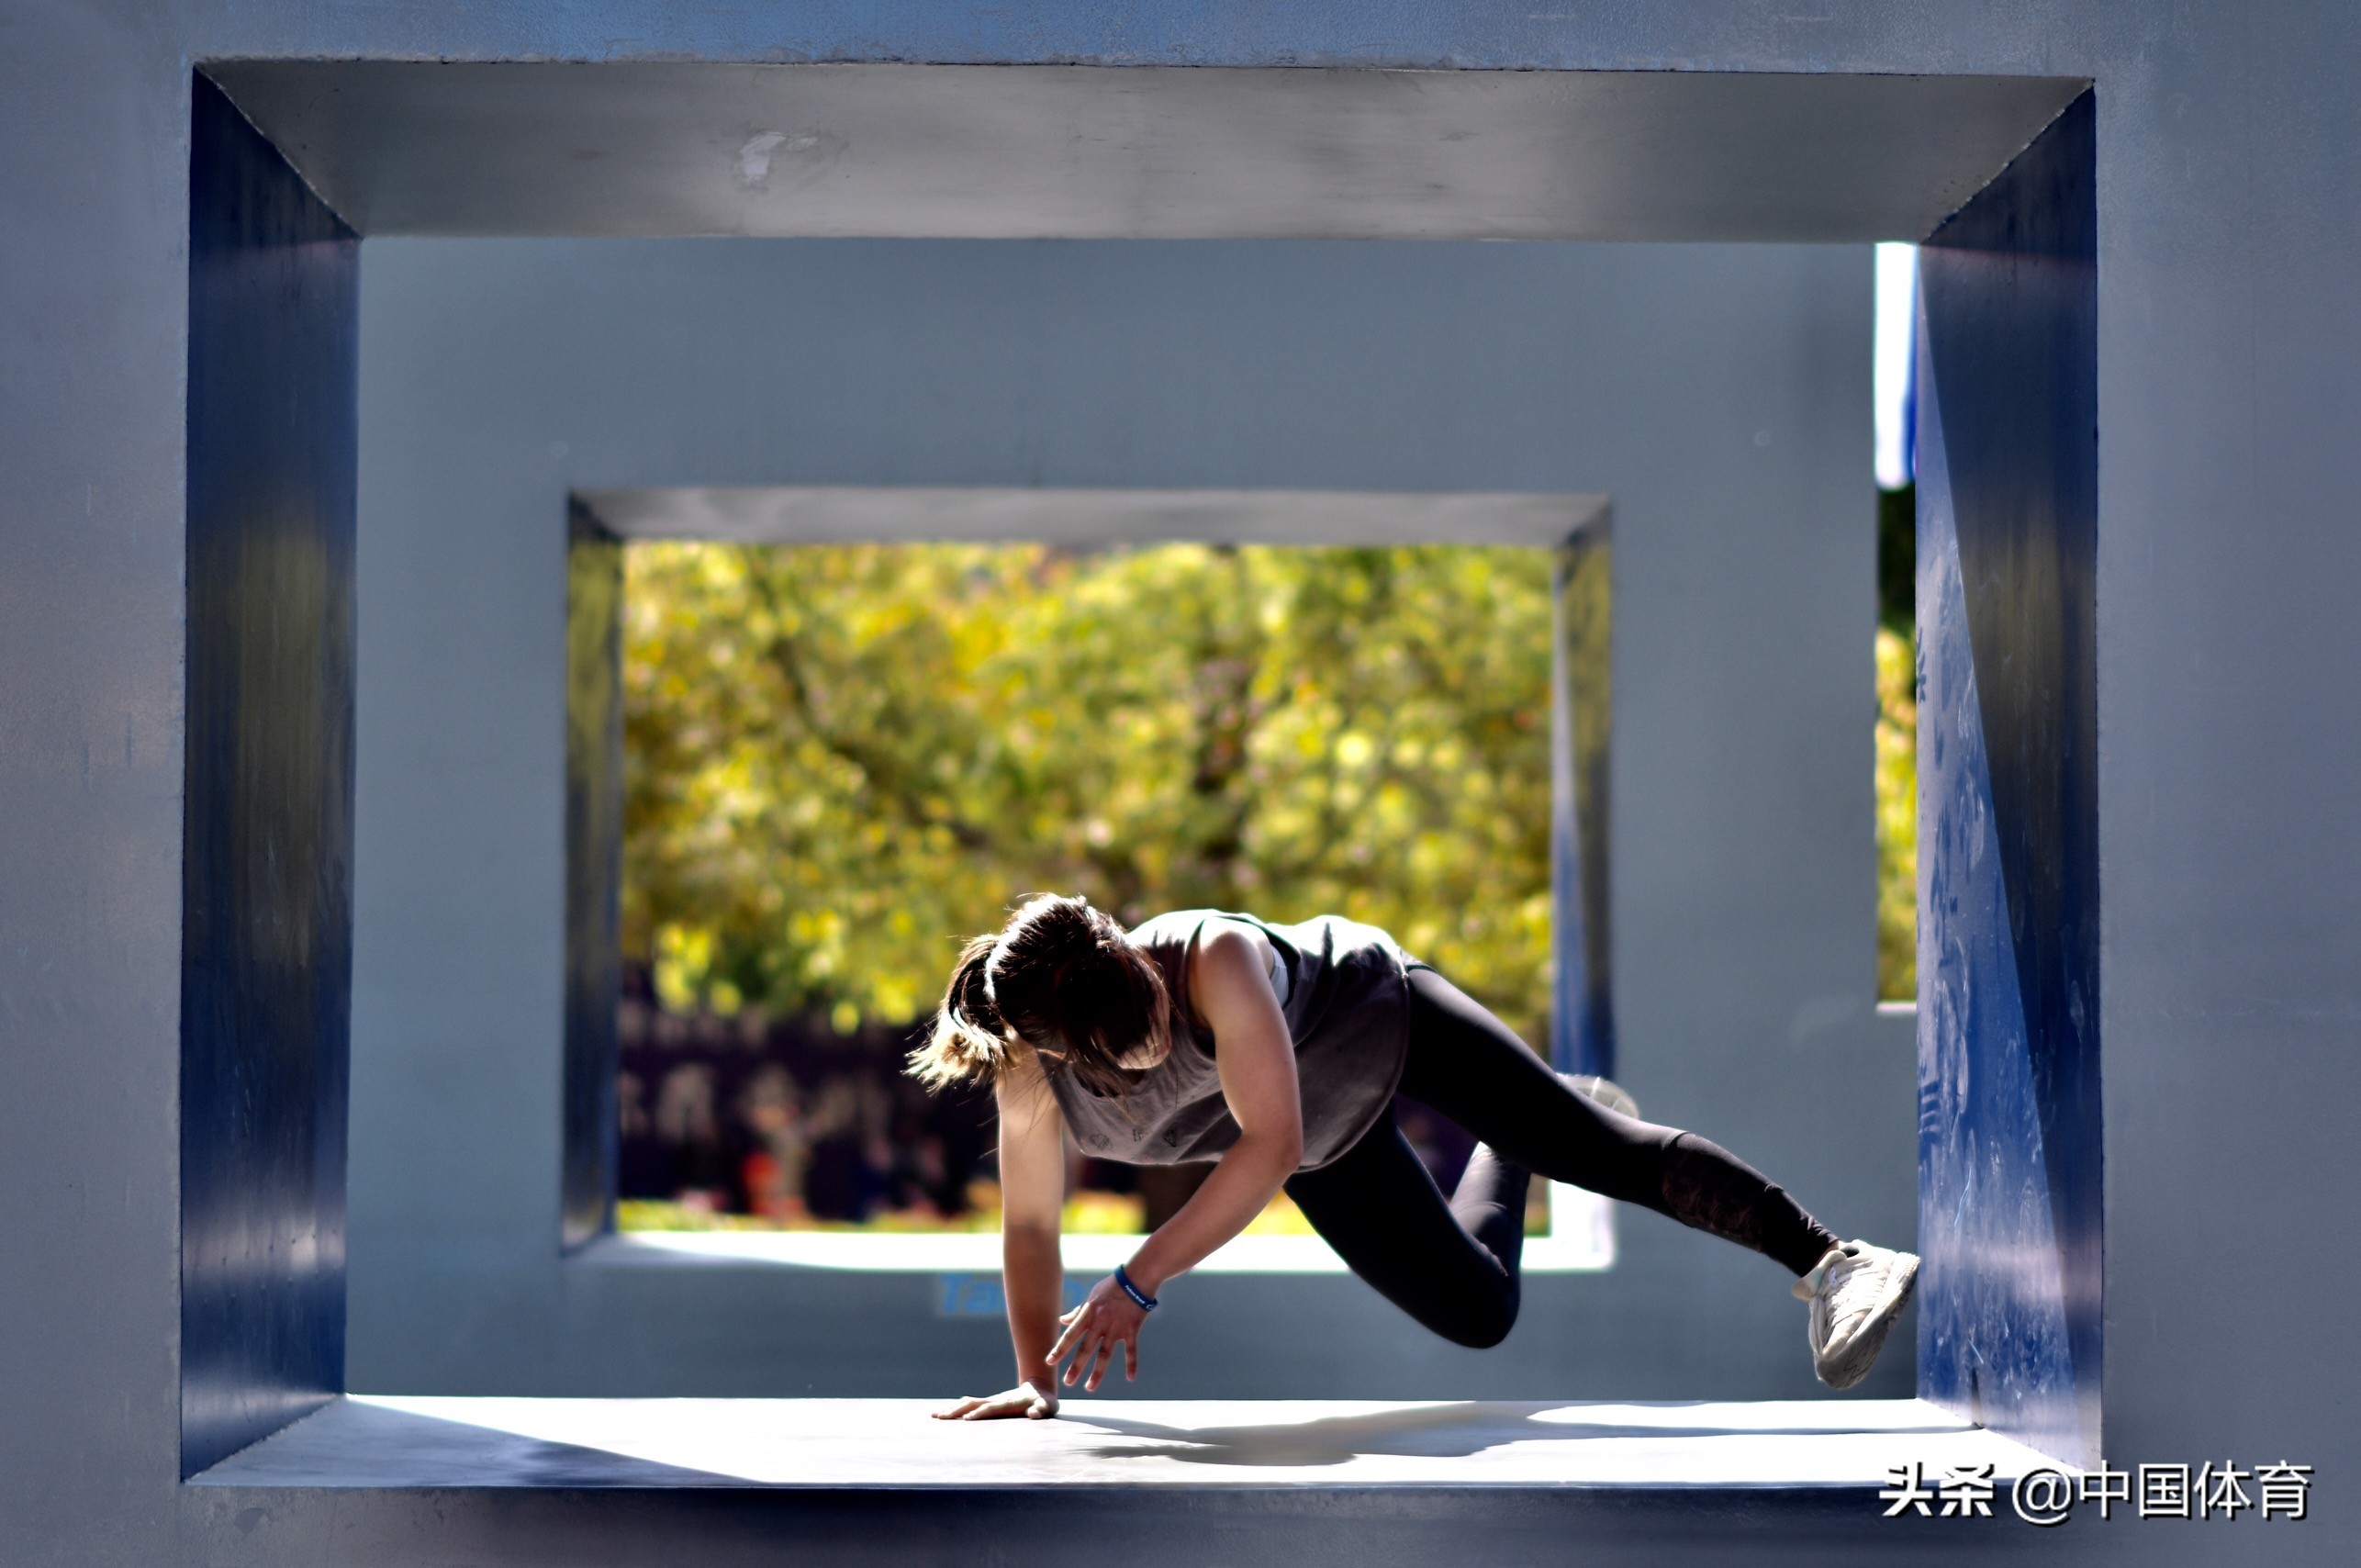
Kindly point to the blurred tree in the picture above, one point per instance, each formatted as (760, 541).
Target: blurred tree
(1897, 744)
(1897, 818)
(841, 760)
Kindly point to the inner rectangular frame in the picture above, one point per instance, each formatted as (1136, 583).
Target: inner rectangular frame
(1575, 528)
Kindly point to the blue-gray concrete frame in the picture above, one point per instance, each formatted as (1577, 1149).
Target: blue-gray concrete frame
(1581, 1021)
(2229, 213)
(2010, 1141)
(266, 957)
(497, 377)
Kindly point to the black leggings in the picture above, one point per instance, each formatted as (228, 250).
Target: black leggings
(1452, 1265)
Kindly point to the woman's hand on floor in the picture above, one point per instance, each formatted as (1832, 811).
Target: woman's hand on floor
(1037, 1403)
(1106, 1318)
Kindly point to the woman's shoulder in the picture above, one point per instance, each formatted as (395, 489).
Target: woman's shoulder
(1186, 928)
(1175, 927)
(1178, 939)
(1339, 938)
(1181, 927)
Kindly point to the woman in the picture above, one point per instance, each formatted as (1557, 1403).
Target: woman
(1277, 1050)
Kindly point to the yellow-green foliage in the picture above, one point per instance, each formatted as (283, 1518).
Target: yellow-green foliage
(843, 759)
(1897, 818)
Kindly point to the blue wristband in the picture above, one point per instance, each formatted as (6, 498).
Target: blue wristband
(1140, 1298)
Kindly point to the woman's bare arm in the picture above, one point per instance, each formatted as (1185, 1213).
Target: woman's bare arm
(1230, 985)
(1033, 1273)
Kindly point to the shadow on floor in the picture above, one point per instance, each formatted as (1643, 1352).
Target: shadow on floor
(350, 1443)
(1433, 1431)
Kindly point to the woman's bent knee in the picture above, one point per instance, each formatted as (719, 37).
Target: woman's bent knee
(1482, 1329)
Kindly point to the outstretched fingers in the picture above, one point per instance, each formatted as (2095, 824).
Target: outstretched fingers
(1101, 1357)
(1077, 1326)
(1085, 1348)
(1085, 1353)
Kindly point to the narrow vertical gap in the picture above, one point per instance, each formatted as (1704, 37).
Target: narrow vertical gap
(1896, 746)
(594, 851)
(1582, 1025)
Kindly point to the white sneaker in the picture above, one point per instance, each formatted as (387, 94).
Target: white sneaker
(1606, 1091)
(1856, 1291)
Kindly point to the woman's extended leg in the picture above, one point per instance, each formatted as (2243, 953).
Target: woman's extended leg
(1473, 1069)
(1452, 1265)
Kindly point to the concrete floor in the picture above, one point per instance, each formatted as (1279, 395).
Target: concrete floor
(383, 1441)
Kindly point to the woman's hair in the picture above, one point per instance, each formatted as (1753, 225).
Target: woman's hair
(1063, 978)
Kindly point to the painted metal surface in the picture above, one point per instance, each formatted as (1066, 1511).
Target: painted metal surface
(1329, 1444)
(594, 869)
(2011, 1151)
(1741, 782)
(1581, 669)
(1078, 514)
(267, 955)
(1172, 151)
(2230, 204)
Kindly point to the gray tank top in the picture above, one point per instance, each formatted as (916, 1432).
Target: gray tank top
(1347, 1004)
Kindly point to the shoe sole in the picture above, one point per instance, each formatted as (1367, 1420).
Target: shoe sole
(1862, 1350)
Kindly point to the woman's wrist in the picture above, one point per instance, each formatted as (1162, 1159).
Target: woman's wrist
(1127, 1282)
(1144, 1275)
